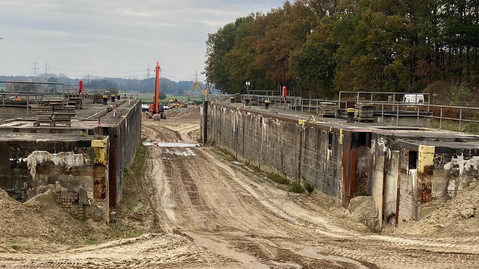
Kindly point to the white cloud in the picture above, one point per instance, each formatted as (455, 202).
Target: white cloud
(108, 37)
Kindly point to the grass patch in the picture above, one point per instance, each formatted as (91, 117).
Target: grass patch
(308, 187)
(224, 154)
(296, 188)
(360, 192)
(90, 241)
(127, 223)
(119, 231)
(450, 125)
(277, 178)
(139, 162)
(255, 168)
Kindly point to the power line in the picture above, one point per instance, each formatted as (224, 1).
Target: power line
(35, 68)
(96, 72)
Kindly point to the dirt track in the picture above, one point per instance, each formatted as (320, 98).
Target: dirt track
(220, 214)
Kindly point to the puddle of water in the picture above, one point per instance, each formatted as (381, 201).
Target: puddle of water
(170, 145)
(311, 253)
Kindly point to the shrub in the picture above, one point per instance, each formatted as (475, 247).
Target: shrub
(308, 187)
(296, 188)
(472, 127)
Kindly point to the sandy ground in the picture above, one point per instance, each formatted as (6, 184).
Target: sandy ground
(211, 212)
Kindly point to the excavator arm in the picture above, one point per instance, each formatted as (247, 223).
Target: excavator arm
(197, 84)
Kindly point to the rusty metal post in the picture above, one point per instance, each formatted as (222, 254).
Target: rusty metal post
(101, 188)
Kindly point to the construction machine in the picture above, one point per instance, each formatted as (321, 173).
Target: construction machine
(156, 111)
(197, 84)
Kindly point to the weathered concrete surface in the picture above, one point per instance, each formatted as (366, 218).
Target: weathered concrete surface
(85, 162)
(404, 169)
(30, 166)
(123, 126)
(281, 145)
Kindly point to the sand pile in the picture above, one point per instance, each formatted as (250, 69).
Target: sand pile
(177, 112)
(456, 217)
(363, 209)
(39, 225)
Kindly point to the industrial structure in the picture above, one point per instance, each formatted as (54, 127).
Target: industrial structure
(51, 141)
(394, 157)
(78, 147)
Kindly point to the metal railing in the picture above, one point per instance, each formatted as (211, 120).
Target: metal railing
(441, 113)
(293, 102)
(383, 97)
(19, 94)
(459, 114)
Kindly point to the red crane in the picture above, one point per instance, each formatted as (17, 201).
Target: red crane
(157, 82)
(154, 108)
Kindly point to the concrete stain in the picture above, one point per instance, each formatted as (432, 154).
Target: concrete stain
(462, 164)
(66, 159)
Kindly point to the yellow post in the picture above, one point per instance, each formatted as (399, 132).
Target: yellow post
(101, 156)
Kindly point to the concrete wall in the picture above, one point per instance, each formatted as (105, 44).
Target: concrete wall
(77, 168)
(450, 171)
(425, 176)
(84, 167)
(321, 160)
(408, 187)
(404, 174)
(125, 135)
(307, 152)
(390, 188)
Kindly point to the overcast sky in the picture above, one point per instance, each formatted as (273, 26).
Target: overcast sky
(114, 38)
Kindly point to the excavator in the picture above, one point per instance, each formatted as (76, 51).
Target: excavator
(204, 91)
(156, 111)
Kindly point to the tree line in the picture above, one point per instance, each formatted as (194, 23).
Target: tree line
(320, 47)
